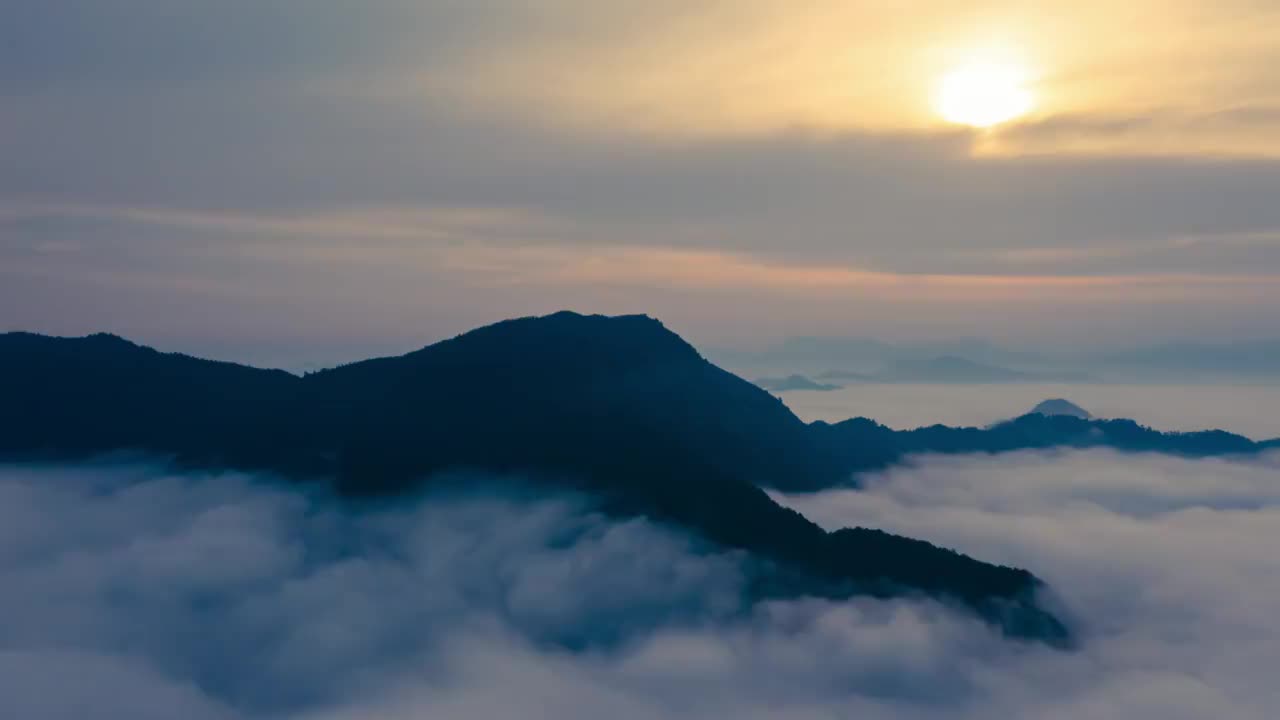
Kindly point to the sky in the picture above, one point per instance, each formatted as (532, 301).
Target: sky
(151, 586)
(271, 179)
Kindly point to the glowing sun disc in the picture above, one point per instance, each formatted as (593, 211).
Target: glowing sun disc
(982, 95)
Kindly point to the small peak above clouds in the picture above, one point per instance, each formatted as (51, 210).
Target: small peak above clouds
(1059, 406)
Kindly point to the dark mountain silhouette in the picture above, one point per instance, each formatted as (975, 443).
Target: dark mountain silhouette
(865, 445)
(1058, 406)
(793, 383)
(100, 393)
(619, 408)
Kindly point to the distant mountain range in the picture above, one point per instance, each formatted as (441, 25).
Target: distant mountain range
(980, 361)
(953, 369)
(792, 383)
(946, 369)
(1259, 358)
(866, 445)
(861, 355)
(618, 408)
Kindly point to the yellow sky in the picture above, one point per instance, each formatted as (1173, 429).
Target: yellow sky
(1133, 77)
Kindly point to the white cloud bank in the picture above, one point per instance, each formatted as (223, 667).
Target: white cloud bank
(134, 592)
(1168, 566)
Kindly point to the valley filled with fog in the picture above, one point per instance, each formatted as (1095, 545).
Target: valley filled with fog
(1246, 409)
(135, 591)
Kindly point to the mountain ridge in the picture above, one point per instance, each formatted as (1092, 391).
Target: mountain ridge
(868, 446)
(620, 409)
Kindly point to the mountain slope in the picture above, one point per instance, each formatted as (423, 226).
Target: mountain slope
(619, 408)
(560, 389)
(100, 393)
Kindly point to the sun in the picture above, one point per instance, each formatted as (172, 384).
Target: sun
(983, 94)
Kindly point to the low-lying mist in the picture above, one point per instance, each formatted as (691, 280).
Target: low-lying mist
(134, 591)
(1166, 565)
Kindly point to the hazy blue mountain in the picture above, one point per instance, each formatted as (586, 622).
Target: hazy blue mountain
(618, 408)
(952, 369)
(1257, 358)
(807, 355)
(867, 356)
(1059, 406)
(847, 375)
(948, 369)
(793, 383)
(882, 361)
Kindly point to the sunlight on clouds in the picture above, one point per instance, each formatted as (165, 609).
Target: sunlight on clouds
(372, 271)
(1187, 81)
(497, 247)
(658, 267)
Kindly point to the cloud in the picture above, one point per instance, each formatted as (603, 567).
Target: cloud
(272, 160)
(239, 594)
(712, 68)
(808, 235)
(154, 594)
(1243, 130)
(519, 247)
(183, 141)
(1164, 562)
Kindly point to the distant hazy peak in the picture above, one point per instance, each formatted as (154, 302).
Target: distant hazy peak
(794, 382)
(1059, 406)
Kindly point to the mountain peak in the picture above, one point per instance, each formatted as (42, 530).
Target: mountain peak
(569, 338)
(619, 409)
(1059, 406)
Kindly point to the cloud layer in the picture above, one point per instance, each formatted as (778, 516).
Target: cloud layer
(1165, 563)
(137, 592)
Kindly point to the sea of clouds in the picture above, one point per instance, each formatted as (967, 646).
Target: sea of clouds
(135, 591)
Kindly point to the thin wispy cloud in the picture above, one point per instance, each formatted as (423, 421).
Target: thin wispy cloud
(753, 149)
